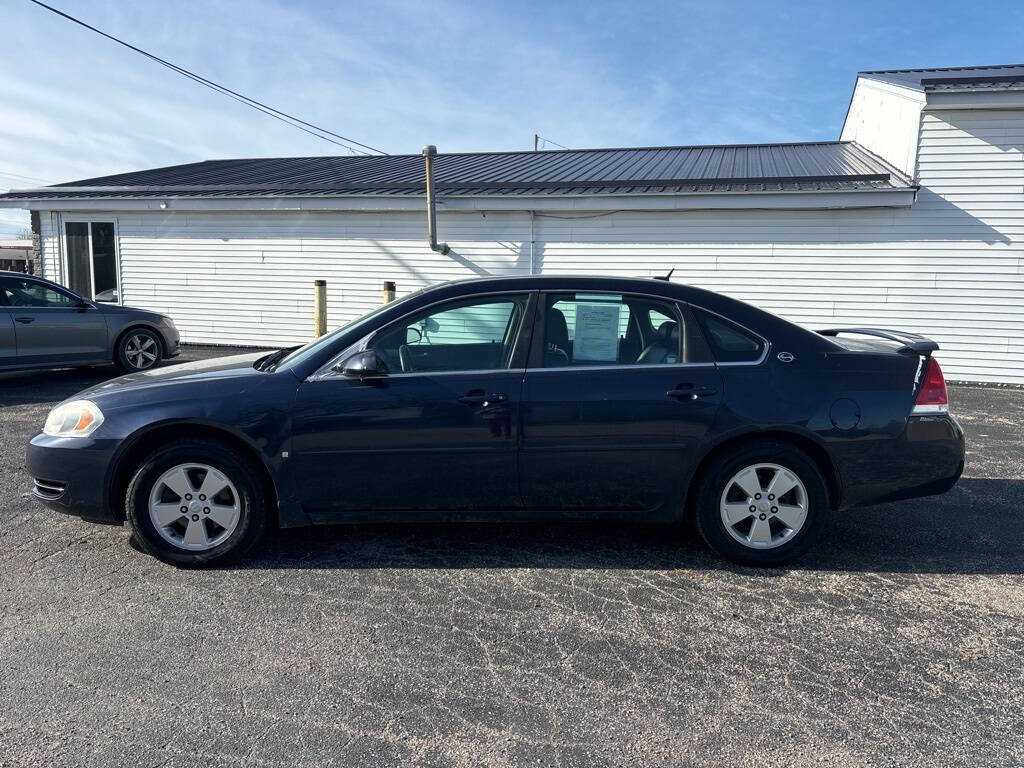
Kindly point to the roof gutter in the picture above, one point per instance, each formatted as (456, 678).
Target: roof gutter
(795, 199)
(429, 153)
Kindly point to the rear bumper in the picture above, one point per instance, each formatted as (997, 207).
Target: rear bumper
(71, 475)
(927, 459)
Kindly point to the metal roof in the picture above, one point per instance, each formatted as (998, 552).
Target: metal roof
(822, 166)
(952, 78)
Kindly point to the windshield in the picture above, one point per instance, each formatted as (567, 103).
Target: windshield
(298, 354)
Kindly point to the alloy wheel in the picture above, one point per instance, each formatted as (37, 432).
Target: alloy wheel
(764, 505)
(194, 507)
(141, 351)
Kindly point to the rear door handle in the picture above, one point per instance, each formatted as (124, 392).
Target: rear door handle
(24, 319)
(479, 397)
(689, 392)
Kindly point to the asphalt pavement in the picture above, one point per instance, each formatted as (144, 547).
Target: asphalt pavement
(899, 641)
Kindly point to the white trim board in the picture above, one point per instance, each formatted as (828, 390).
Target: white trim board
(868, 198)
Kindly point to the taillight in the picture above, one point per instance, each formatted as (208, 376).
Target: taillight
(932, 397)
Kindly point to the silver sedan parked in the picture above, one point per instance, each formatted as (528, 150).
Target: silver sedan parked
(44, 325)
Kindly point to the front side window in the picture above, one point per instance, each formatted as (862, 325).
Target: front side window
(587, 329)
(729, 342)
(92, 259)
(18, 292)
(468, 335)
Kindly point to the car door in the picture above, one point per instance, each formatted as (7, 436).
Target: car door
(52, 326)
(8, 340)
(437, 432)
(617, 398)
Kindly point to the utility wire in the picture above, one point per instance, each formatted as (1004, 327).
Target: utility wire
(8, 175)
(257, 105)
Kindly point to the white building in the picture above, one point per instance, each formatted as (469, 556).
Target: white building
(914, 220)
(16, 254)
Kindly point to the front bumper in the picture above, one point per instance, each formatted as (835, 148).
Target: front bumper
(72, 475)
(172, 341)
(927, 459)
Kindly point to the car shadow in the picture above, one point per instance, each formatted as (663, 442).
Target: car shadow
(51, 385)
(974, 529)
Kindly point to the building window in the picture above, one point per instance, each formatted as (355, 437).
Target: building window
(92, 260)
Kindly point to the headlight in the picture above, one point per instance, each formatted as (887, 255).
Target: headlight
(79, 418)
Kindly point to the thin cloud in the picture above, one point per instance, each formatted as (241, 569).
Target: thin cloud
(461, 75)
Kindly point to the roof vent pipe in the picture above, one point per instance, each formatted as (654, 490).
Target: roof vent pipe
(429, 153)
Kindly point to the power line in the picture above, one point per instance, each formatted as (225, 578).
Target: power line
(277, 114)
(9, 175)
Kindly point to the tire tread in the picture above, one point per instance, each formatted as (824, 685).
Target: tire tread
(249, 485)
(708, 516)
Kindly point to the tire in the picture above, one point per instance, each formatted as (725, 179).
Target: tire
(139, 349)
(212, 531)
(799, 513)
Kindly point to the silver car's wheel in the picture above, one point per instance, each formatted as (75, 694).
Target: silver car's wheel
(764, 505)
(141, 351)
(194, 507)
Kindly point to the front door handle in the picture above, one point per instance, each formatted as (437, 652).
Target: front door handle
(24, 319)
(479, 397)
(690, 392)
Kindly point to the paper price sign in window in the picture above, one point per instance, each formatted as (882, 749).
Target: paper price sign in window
(597, 332)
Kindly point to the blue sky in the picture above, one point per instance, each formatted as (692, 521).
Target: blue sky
(398, 74)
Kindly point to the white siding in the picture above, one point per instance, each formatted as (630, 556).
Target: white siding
(884, 119)
(951, 266)
(247, 279)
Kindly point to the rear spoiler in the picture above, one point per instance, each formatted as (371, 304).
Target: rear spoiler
(911, 342)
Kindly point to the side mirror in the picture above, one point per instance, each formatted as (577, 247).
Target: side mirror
(83, 304)
(363, 365)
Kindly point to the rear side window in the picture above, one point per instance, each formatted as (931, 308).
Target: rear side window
(729, 342)
(601, 329)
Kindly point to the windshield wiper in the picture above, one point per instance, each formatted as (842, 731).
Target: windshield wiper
(266, 363)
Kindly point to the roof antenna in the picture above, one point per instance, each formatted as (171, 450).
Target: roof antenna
(666, 277)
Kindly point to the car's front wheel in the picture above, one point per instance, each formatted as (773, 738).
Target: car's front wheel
(139, 350)
(762, 503)
(195, 503)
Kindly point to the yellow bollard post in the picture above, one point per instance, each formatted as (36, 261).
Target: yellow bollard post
(319, 307)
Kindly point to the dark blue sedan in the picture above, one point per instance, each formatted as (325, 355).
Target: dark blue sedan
(512, 398)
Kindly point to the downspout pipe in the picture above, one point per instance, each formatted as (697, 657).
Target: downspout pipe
(429, 153)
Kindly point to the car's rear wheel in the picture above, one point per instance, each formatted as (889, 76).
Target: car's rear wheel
(762, 503)
(139, 350)
(195, 503)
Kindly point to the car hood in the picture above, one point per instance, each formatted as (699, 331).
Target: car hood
(198, 372)
(108, 308)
